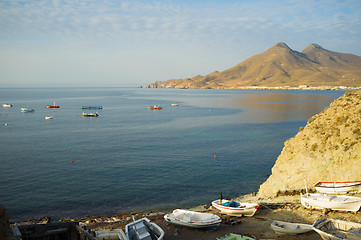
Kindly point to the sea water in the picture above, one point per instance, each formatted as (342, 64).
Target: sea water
(132, 159)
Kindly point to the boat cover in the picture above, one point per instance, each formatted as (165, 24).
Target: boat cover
(231, 204)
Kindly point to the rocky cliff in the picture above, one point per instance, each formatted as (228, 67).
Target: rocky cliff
(280, 66)
(328, 148)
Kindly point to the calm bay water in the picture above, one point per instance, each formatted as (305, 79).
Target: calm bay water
(131, 159)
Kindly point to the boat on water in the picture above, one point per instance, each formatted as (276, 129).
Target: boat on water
(233, 208)
(110, 234)
(281, 227)
(332, 229)
(52, 106)
(24, 110)
(154, 107)
(193, 219)
(233, 236)
(174, 104)
(338, 187)
(143, 229)
(49, 117)
(90, 114)
(334, 202)
(7, 105)
(91, 107)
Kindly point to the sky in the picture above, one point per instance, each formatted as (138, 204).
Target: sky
(106, 43)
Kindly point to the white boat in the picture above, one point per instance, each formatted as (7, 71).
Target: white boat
(233, 236)
(332, 229)
(90, 114)
(290, 228)
(193, 219)
(237, 209)
(27, 110)
(174, 104)
(143, 229)
(7, 105)
(338, 187)
(113, 234)
(49, 117)
(334, 202)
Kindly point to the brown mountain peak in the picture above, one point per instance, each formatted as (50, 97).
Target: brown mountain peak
(312, 47)
(281, 45)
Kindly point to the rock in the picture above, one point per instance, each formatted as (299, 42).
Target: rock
(326, 149)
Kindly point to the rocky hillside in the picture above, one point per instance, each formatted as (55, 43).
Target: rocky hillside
(281, 66)
(328, 148)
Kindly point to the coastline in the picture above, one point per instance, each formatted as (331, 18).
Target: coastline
(284, 208)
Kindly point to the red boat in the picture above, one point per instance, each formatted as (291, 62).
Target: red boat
(154, 107)
(52, 106)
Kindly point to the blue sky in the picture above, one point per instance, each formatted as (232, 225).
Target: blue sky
(133, 43)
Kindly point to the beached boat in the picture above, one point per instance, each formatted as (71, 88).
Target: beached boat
(281, 227)
(332, 229)
(49, 117)
(233, 208)
(334, 202)
(154, 107)
(52, 106)
(193, 219)
(24, 110)
(233, 236)
(92, 107)
(338, 187)
(90, 114)
(7, 105)
(113, 234)
(143, 229)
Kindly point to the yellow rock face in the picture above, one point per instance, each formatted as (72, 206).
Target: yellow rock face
(328, 148)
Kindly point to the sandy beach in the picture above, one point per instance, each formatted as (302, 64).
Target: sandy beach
(284, 208)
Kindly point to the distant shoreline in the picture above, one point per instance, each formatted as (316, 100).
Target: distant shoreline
(301, 87)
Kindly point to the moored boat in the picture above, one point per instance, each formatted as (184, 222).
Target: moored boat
(174, 104)
(7, 105)
(91, 107)
(113, 234)
(338, 187)
(52, 106)
(334, 202)
(332, 229)
(49, 117)
(193, 219)
(233, 208)
(154, 107)
(90, 114)
(24, 110)
(233, 236)
(143, 229)
(281, 227)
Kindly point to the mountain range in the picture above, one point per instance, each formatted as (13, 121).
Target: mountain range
(280, 67)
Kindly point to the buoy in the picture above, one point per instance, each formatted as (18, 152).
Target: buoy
(215, 156)
(68, 150)
(5, 124)
(72, 161)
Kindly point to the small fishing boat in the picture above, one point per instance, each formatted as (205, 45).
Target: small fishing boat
(24, 110)
(49, 117)
(193, 219)
(90, 114)
(334, 202)
(143, 229)
(233, 236)
(7, 105)
(52, 106)
(332, 229)
(338, 187)
(92, 107)
(290, 228)
(237, 209)
(154, 107)
(174, 104)
(113, 234)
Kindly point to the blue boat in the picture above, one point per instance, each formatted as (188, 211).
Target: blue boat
(92, 107)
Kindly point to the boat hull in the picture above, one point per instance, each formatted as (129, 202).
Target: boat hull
(334, 202)
(338, 187)
(245, 209)
(290, 228)
(142, 229)
(193, 219)
(332, 229)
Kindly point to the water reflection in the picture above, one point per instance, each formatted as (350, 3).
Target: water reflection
(268, 107)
